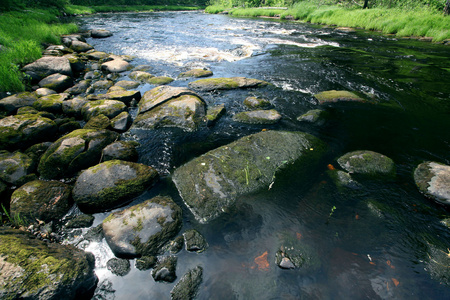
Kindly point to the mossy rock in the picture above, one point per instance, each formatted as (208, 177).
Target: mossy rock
(343, 179)
(121, 122)
(41, 92)
(195, 241)
(433, 180)
(334, 96)
(22, 131)
(119, 266)
(73, 107)
(140, 76)
(111, 184)
(109, 108)
(212, 183)
(256, 103)
(57, 82)
(81, 221)
(367, 163)
(51, 103)
(211, 84)
(160, 80)
(42, 200)
(68, 127)
(48, 65)
(165, 269)
(187, 287)
(437, 264)
(11, 104)
(127, 84)
(263, 117)
(32, 269)
(121, 95)
(214, 113)
(116, 66)
(122, 150)
(73, 152)
(36, 151)
(145, 262)
(102, 84)
(97, 55)
(79, 46)
(98, 122)
(317, 116)
(16, 168)
(196, 73)
(77, 63)
(142, 230)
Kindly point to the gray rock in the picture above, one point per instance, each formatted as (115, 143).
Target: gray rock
(111, 184)
(160, 80)
(313, 116)
(121, 122)
(211, 84)
(214, 113)
(97, 55)
(195, 242)
(122, 150)
(79, 88)
(69, 38)
(100, 33)
(433, 180)
(77, 63)
(73, 107)
(256, 103)
(143, 229)
(79, 46)
(48, 65)
(104, 291)
(22, 131)
(196, 73)
(103, 84)
(367, 163)
(92, 75)
(187, 287)
(98, 122)
(109, 108)
(263, 117)
(212, 182)
(51, 103)
(33, 269)
(41, 92)
(73, 152)
(145, 262)
(42, 200)
(334, 96)
(140, 76)
(127, 84)
(124, 96)
(57, 82)
(116, 66)
(12, 103)
(118, 266)
(16, 168)
(165, 269)
(36, 151)
(81, 221)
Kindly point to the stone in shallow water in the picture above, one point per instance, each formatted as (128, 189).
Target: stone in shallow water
(188, 285)
(165, 269)
(211, 84)
(263, 117)
(118, 266)
(368, 163)
(195, 242)
(337, 96)
(196, 73)
(433, 180)
(254, 102)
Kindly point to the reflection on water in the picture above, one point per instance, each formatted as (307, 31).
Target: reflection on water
(376, 243)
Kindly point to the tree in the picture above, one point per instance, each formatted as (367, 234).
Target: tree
(447, 8)
(366, 3)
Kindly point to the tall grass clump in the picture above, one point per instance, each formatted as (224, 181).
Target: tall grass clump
(255, 12)
(215, 9)
(22, 36)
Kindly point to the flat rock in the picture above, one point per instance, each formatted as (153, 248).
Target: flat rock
(109, 108)
(111, 184)
(265, 117)
(100, 33)
(48, 65)
(142, 230)
(211, 84)
(57, 82)
(97, 55)
(214, 181)
(334, 96)
(368, 163)
(12, 103)
(433, 180)
(196, 73)
(162, 94)
(124, 96)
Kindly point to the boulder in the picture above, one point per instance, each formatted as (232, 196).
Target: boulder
(213, 113)
(121, 122)
(103, 84)
(211, 84)
(69, 38)
(367, 163)
(142, 229)
(317, 116)
(187, 287)
(51, 103)
(73, 152)
(11, 104)
(100, 33)
(160, 80)
(111, 184)
(109, 108)
(57, 82)
(116, 66)
(127, 84)
(36, 151)
(48, 65)
(256, 103)
(196, 73)
(265, 117)
(42, 200)
(41, 92)
(162, 94)
(97, 55)
(22, 131)
(73, 107)
(124, 96)
(33, 269)
(81, 221)
(16, 168)
(98, 122)
(77, 63)
(118, 266)
(79, 88)
(79, 46)
(122, 150)
(165, 269)
(433, 180)
(145, 262)
(140, 76)
(195, 242)
(334, 96)
(213, 182)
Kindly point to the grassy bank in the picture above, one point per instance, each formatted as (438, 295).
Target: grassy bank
(83, 10)
(421, 21)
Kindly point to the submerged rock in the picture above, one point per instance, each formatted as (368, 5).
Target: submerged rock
(187, 287)
(212, 182)
(263, 117)
(212, 84)
(143, 229)
(433, 180)
(314, 116)
(73, 152)
(195, 242)
(367, 163)
(165, 269)
(16, 168)
(118, 266)
(42, 200)
(145, 262)
(33, 269)
(337, 96)
(22, 131)
(111, 184)
(296, 254)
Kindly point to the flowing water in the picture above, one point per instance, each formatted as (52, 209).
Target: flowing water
(383, 241)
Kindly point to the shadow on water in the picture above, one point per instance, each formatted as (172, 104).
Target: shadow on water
(368, 243)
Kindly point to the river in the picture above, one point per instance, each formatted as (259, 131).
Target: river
(379, 241)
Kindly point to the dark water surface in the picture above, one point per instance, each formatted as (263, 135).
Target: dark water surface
(384, 241)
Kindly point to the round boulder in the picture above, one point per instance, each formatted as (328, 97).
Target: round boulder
(57, 82)
(111, 184)
(143, 229)
(16, 168)
(100, 33)
(109, 108)
(433, 180)
(122, 150)
(367, 163)
(11, 104)
(265, 117)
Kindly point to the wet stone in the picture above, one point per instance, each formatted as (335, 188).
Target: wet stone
(195, 242)
(188, 285)
(165, 269)
(145, 262)
(81, 221)
(118, 266)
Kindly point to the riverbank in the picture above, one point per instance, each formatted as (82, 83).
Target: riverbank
(419, 22)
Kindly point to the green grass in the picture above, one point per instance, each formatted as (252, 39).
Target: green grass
(23, 35)
(256, 12)
(83, 10)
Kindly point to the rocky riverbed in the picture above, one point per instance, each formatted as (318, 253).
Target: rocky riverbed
(62, 148)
